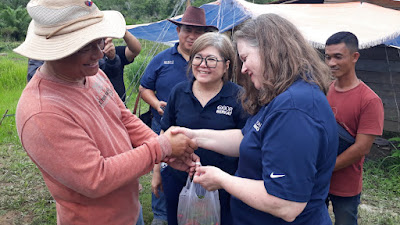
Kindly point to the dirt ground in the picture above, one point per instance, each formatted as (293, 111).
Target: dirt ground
(10, 218)
(380, 149)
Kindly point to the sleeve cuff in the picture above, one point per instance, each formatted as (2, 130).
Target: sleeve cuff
(166, 148)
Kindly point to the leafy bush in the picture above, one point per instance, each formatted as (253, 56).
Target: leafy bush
(134, 71)
(14, 23)
(7, 46)
(392, 162)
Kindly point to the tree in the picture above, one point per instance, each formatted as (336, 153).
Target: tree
(14, 23)
(15, 3)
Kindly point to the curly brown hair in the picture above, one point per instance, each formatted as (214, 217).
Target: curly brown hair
(286, 57)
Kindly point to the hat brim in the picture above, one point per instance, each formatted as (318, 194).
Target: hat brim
(178, 23)
(57, 47)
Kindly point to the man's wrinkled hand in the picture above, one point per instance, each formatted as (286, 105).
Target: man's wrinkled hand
(182, 146)
(187, 164)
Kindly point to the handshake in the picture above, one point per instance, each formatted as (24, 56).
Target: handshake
(183, 145)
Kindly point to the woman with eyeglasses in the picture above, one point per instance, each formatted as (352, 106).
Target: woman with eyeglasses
(210, 101)
(288, 147)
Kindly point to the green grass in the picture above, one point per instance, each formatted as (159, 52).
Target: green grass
(12, 82)
(24, 198)
(380, 200)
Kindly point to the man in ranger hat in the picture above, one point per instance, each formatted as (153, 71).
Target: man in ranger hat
(167, 69)
(90, 149)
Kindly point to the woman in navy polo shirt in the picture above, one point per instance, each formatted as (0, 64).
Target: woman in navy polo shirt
(287, 149)
(211, 101)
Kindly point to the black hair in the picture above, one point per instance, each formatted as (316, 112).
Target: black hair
(348, 38)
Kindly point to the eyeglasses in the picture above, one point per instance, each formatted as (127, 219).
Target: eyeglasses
(211, 61)
(97, 44)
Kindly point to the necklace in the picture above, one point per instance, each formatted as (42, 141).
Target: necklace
(204, 95)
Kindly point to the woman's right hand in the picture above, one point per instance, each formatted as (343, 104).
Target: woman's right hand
(156, 183)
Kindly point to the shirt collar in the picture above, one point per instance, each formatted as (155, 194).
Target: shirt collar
(225, 91)
(175, 49)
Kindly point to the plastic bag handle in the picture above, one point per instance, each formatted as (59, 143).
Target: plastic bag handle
(188, 182)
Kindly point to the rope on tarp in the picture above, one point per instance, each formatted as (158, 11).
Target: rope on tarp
(392, 86)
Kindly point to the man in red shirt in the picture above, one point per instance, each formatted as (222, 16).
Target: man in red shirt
(359, 110)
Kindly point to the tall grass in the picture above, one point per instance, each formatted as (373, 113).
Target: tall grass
(13, 70)
(134, 71)
(24, 198)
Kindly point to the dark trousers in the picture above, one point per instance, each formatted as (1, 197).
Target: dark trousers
(344, 208)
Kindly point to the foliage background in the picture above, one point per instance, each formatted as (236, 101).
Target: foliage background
(14, 19)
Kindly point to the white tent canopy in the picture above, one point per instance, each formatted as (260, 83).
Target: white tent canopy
(372, 24)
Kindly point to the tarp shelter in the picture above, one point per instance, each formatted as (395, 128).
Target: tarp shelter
(375, 26)
(372, 24)
(224, 14)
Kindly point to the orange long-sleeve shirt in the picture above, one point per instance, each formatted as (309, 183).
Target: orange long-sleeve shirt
(90, 149)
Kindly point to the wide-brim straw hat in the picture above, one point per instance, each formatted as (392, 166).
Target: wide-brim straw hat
(59, 28)
(194, 16)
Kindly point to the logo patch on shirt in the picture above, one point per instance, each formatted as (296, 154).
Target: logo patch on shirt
(273, 176)
(257, 125)
(169, 62)
(103, 90)
(223, 109)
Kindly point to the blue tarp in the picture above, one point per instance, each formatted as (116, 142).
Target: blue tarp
(394, 42)
(224, 16)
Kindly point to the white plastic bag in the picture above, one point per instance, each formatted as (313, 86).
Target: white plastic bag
(197, 206)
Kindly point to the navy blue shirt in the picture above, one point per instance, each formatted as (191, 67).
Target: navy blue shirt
(290, 144)
(165, 70)
(222, 112)
(115, 71)
(32, 67)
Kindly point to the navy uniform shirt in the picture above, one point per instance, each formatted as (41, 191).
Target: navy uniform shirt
(116, 74)
(290, 144)
(165, 70)
(222, 112)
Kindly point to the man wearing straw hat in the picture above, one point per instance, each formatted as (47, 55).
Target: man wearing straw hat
(167, 69)
(113, 63)
(89, 148)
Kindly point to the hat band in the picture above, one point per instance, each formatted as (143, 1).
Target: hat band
(199, 23)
